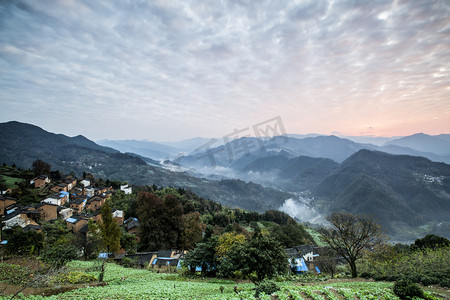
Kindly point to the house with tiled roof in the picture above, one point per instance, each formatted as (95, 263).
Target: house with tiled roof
(60, 187)
(40, 181)
(60, 198)
(78, 204)
(16, 217)
(47, 211)
(4, 203)
(95, 203)
(75, 223)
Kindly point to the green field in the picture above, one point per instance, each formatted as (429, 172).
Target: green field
(10, 182)
(126, 283)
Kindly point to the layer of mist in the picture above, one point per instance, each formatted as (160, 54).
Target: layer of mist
(301, 210)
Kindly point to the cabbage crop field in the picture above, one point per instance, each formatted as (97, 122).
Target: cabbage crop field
(127, 283)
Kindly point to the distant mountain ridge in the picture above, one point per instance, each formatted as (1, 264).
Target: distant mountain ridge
(22, 143)
(148, 149)
(424, 143)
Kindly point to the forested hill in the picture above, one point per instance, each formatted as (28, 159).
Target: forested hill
(403, 192)
(21, 144)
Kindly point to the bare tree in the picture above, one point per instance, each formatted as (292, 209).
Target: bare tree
(40, 167)
(349, 235)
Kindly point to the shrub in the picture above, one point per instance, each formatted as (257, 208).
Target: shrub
(127, 262)
(405, 289)
(15, 274)
(59, 255)
(266, 286)
(72, 278)
(445, 282)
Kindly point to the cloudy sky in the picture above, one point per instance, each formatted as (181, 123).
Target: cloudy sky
(168, 70)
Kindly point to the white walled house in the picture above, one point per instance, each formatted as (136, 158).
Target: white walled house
(126, 189)
(66, 213)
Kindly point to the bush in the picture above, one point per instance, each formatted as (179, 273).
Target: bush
(15, 274)
(59, 255)
(127, 262)
(266, 286)
(72, 278)
(405, 289)
(445, 282)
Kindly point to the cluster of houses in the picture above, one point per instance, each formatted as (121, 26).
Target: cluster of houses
(77, 202)
(73, 201)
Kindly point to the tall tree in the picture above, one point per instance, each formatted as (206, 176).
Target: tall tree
(149, 208)
(109, 230)
(262, 255)
(41, 167)
(349, 235)
(161, 222)
(192, 230)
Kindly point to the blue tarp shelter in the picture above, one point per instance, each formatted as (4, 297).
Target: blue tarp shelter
(298, 265)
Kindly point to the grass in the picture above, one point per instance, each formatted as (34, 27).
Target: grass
(10, 182)
(316, 236)
(127, 283)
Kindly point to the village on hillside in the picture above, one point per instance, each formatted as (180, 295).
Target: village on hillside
(77, 201)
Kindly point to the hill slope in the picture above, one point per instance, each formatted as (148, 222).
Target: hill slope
(21, 144)
(403, 192)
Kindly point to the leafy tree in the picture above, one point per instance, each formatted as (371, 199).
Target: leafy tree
(192, 230)
(122, 201)
(349, 235)
(40, 167)
(161, 223)
(262, 256)
(203, 256)
(290, 235)
(278, 217)
(58, 255)
(128, 242)
(91, 242)
(55, 175)
(56, 233)
(431, 241)
(227, 242)
(109, 230)
(24, 242)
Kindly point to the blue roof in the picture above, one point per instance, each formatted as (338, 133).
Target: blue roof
(71, 220)
(4, 242)
(103, 255)
(299, 265)
(63, 193)
(317, 269)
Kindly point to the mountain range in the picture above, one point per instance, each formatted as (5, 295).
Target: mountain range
(21, 144)
(403, 182)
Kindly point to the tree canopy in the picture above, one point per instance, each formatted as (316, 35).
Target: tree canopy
(41, 167)
(109, 230)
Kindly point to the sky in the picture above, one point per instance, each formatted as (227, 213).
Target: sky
(170, 70)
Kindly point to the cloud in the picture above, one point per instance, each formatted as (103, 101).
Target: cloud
(179, 69)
